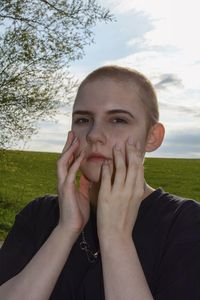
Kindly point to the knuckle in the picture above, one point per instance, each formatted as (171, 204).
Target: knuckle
(131, 164)
(127, 194)
(139, 192)
(120, 166)
(120, 170)
(58, 163)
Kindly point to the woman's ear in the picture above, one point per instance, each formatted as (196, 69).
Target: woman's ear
(155, 137)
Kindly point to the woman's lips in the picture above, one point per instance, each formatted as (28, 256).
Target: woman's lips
(96, 158)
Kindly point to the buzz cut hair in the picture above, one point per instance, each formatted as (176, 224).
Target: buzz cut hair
(144, 88)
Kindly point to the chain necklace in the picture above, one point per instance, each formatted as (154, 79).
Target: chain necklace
(91, 255)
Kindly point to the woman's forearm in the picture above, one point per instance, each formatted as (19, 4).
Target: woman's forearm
(37, 280)
(122, 271)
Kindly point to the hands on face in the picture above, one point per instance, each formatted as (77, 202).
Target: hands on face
(73, 203)
(119, 196)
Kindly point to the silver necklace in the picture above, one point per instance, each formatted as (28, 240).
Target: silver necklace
(91, 255)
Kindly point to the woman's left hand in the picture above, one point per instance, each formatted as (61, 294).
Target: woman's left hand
(119, 198)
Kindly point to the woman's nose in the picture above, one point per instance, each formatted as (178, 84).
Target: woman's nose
(96, 134)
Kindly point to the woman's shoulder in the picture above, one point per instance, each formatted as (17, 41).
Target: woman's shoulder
(182, 216)
(179, 205)
(38, 218)
(41, 204)
(43, 209)
(171, 211)
(168, 202)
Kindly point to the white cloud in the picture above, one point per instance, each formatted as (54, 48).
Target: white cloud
(180, 143)
(52, 133)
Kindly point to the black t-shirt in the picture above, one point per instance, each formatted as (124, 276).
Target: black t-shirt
(166, 235)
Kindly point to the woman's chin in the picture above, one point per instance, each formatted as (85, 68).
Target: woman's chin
(93, 178)
(92, 175)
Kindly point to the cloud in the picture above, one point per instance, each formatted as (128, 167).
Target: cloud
(168, 80)
(184, 144)
(114, 40)
(180, 143)
(182, 138)
(176, 21)
(194, 110)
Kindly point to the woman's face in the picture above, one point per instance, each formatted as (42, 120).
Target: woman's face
(106, 113)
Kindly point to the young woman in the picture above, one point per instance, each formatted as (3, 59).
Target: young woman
(114, 237)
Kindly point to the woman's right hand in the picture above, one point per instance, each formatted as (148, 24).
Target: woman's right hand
(73, 202)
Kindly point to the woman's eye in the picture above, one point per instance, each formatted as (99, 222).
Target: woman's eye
(119, 121)
(81, 121)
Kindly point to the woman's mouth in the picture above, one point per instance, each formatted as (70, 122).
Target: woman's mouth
(96, 157)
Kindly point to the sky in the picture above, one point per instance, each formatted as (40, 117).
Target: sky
(160, 39)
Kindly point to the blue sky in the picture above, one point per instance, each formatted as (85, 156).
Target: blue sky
(161, 39)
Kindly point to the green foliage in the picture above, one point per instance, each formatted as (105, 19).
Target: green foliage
(175, 175)
(27, 175)
(24, 176)
(39, 39)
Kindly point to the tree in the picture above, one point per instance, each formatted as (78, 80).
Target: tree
(38, 41)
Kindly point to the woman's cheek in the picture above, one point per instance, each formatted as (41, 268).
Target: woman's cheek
(82, 146)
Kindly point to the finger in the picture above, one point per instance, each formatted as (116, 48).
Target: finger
(140, 182)
(111, 169)
(65, 161)
(71, 176)
(70, 138)
(105, 186)
(134, 161)
(120, 167)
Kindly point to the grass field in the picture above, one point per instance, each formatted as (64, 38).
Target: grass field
(27, 175)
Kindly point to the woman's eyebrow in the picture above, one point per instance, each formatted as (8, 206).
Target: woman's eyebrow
(117, 111)
(82, 112)
(109, 112)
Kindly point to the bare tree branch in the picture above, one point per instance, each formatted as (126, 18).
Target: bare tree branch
(39, 38)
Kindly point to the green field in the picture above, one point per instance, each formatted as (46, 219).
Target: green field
(27, 175)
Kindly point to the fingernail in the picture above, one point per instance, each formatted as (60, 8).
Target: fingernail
(75, 140)
(82, 153)
(130, 140)
(68, 133)
(138, 146)
(117, 147)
